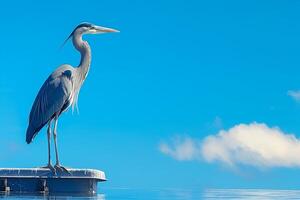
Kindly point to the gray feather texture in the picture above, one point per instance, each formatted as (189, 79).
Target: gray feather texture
(54, 97)
(61, 90)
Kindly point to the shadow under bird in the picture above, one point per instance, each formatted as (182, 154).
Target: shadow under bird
(60, 91)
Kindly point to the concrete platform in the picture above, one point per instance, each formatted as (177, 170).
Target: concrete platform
(40, 180)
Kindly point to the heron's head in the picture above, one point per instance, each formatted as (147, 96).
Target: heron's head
(88, 28)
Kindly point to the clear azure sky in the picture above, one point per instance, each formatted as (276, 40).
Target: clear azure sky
(187, 68)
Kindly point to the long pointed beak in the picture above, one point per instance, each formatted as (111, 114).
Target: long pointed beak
(101, 29)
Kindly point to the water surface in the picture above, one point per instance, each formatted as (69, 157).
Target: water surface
(171, 194)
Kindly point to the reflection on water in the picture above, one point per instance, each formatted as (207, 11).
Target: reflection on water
(152, 194)
(24, 196)
(170, 194)
(247, 194)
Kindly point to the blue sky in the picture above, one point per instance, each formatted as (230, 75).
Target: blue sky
(178, 68)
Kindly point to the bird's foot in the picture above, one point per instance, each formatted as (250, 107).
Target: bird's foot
(60, 168)
(49, 166)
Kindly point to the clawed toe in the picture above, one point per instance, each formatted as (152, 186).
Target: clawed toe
(56, 168)
(50, 167)
(61, 168)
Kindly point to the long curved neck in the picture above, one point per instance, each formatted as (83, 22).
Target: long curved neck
(85, 52)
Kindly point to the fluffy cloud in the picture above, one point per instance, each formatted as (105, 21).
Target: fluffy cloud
(182, 148)
(247, 144)
(253, 144)
(294, 94)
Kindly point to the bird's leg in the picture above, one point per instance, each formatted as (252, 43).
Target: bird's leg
(49, 138)
(57, 165)
(49, 165)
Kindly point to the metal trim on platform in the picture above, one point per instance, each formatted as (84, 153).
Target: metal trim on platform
(43, 180)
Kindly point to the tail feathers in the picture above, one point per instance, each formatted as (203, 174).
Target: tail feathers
(30, 133)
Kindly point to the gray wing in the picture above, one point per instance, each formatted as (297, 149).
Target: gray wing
(53, 98)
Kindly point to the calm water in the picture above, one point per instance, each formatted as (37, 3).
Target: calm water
(128, 194)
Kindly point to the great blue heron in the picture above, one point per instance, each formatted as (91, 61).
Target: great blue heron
(61, 90)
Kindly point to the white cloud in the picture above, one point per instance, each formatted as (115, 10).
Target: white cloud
(294, 94)
(253, 144)
(245, 144)
(182, 148)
